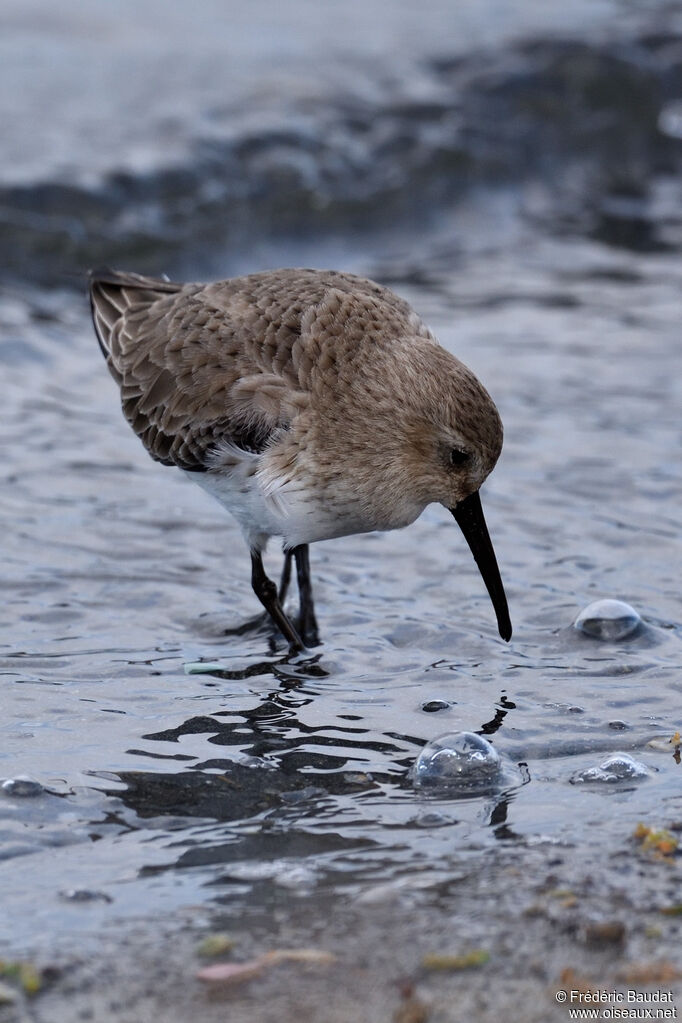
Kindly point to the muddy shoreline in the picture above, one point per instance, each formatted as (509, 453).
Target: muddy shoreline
(540, 920)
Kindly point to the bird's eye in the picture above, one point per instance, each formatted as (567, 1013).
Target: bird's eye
(458, 457)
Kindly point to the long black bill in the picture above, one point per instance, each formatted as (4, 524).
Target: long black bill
(469, 516)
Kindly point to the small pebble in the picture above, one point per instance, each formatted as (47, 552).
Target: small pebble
(435, 705)
(618, 726)
(609, 932)
(215, 945)
(8, 995)
(608, 620)
(22, 786)
(618, 767)
(457, 762)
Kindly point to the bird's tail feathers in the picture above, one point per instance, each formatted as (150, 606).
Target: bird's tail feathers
(114, 292)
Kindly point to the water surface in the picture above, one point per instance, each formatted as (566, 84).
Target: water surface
(518, 182)
(264, 775)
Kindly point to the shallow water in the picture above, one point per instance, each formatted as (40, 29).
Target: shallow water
(263, 780)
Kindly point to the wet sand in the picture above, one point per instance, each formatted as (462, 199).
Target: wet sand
(542, 922)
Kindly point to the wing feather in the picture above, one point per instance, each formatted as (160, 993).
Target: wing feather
(227, 365)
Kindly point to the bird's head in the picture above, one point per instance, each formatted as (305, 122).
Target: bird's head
(451, 440)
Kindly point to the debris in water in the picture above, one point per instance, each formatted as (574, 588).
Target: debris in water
(301, 955)
(608, 619)
(671, 745)
(671, 910)
(457, 762)
(22, 786)
(659, 841)
(235, 973)
(568, 978)
(649, 973)
(7, 995)
(412, 1010)
(567, 898)
(618, 767)
(215, 945)
(477, 957)
(202, 667)
(26, 974)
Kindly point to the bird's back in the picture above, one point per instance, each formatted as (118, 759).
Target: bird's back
(198, 365)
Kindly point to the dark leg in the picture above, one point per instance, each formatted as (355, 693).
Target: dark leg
(266, 591)
(285, 578)
(307, 622)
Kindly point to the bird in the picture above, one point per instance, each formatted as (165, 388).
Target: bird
(312, 404)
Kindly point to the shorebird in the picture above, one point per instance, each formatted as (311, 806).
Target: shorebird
(312, 404)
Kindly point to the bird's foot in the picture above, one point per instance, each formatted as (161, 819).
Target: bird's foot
(306, 627)
(307, 631)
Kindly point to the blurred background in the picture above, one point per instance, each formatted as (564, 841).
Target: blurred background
(513, 170)
(208, 137)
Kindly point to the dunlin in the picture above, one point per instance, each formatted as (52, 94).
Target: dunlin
(312, 404)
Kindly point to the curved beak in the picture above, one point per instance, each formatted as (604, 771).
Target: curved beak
(469, 516)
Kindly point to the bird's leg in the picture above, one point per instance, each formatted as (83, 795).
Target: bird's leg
(266, 591)
(307, 622)
(285, 578)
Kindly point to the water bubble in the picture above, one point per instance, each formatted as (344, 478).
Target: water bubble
(431, 820)
(457, 762)
(22, 786)
(608, 619)
(84, 895)
(618, 767)
(432, 706)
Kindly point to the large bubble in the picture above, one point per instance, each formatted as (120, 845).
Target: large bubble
(608, 619)
(22, 786)
(457, 762)
(616, 768)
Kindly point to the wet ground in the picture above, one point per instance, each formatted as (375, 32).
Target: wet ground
(193, 781)
(261, 787)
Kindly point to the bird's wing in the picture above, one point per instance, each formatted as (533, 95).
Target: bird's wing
(229, 363)
(191, 375)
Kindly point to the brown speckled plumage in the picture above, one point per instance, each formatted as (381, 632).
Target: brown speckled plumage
(199, 362)
(311, 403)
